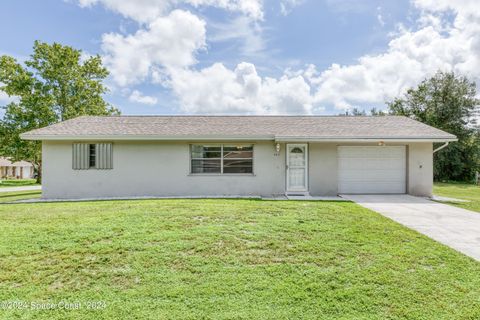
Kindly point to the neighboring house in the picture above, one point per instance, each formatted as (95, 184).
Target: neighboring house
(15, 170)
(128, 156)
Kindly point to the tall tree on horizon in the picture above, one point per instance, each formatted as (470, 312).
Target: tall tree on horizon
(54, 84)
(449, 102)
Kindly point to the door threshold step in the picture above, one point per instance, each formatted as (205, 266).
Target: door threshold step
(299, 196)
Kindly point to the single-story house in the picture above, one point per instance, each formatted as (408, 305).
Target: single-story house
(15, 170)
(130, 156)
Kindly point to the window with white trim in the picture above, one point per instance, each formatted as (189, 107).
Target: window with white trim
(221, 159)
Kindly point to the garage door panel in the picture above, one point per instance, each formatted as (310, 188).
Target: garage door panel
(372, 169)
(362, 188)
(370, 165)
(384, 164)
(370, 152)
(380, 176)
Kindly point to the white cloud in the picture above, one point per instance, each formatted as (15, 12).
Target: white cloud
(242, 29)
(145, 11)
(410, 57)
(286, 6)
(164, 51)
(217, 89)
(138, 10)
(138, 97)
(380, 18)
(166, 43)
(464, 7)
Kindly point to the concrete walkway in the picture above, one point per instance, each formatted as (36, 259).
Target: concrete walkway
(24, 188)
(455, 227)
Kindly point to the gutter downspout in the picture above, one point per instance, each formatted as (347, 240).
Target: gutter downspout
(441, 147)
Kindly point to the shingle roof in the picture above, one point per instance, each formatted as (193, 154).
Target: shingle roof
(266, 127)
(22, 163)
(4, 162)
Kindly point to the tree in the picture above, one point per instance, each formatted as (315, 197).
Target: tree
(376, 112)
(448, 102)
(354, 112)
(55, 84)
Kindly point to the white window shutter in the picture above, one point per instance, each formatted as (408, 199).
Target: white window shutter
(104, 157)
(109, 159)
(80, 156)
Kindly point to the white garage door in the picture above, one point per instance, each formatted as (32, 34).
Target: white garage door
(371, 170)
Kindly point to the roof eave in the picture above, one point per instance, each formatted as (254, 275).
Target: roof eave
(144, 138)
(364, 139)
(231, 138)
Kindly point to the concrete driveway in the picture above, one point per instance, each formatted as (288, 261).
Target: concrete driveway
(455, 227)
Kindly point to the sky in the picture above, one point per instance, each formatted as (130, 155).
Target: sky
(253, 56)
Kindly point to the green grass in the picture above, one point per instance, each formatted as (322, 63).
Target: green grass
(19, 195)
(228, 259)
(17, 183)
(462, 191)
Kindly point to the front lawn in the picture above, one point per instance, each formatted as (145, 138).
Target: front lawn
(19, 195)
(462, 191)
(18, 183)
(227, 259)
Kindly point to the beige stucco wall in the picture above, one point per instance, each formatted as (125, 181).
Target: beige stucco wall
(323, 169)
(420, 169)
(162, 169)
(156, 169)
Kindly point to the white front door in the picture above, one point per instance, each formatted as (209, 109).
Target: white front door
(297, 167)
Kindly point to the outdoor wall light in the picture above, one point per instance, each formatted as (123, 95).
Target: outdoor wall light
(381, 144)
(277, 147)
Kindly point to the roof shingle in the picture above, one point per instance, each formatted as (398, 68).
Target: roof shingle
(320, 127)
